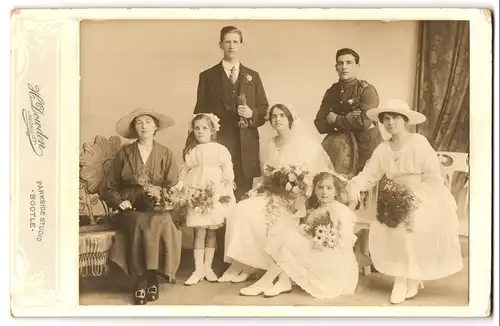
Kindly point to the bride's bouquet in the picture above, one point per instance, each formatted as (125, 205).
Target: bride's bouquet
(324, 231)
(395, 205)
(283, 186)
(288, 182)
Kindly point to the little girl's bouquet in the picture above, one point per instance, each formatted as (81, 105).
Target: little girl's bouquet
(324, 230)
(201, 200)
(176, 198)
(395, 205)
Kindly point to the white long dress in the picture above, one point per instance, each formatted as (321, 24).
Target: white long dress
(432, 250)
(324, 273)
(249, 221)
(210, 162)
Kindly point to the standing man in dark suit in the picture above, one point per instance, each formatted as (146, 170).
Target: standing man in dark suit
(236, 95)
(351, 135)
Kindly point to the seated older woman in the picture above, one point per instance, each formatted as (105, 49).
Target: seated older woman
(147, 242)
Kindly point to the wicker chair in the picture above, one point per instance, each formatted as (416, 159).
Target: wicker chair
(453, 164)
(96, 230)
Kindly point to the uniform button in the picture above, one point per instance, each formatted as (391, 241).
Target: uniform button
(340, 102)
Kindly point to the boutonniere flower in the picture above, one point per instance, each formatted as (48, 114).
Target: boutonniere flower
(351, 101)
(248, 78)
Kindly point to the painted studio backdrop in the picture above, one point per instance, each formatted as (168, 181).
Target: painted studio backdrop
(155, 64)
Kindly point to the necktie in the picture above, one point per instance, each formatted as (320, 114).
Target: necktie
(233, 75)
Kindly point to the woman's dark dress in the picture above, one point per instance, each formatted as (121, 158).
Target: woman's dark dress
(145, 239)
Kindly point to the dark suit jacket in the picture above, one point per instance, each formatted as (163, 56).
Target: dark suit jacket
(211, 98)
(351, 103)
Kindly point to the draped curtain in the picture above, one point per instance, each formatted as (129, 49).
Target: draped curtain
(442, 88)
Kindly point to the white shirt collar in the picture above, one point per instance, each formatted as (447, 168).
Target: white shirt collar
(228, 66)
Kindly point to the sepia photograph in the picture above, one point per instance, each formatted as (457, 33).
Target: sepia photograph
(274, 162)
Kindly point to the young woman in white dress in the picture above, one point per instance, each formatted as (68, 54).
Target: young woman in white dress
(430, 249)
(247, 225)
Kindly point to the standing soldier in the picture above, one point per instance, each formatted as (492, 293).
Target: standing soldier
(351, 135)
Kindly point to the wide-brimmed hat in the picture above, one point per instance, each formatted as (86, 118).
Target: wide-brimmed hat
(124, 126)
(399, 107)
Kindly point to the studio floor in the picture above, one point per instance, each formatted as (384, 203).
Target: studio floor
(372, 290)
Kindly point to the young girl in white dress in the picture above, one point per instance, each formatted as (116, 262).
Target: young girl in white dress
(323, 271)
(206, 162)
(428, 248)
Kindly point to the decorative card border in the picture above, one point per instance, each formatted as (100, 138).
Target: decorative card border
(45, 155)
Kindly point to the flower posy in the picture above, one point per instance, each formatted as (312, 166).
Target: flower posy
(324, 230)
(248, 78)
(202, 199)
(284, 185)
(395, 205)
(287, 181)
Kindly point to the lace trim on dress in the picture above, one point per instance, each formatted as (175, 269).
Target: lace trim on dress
(302, 275)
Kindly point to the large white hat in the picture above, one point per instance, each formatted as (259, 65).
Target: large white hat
(397, 106)
(124, 126)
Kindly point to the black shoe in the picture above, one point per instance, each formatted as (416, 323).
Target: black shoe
(152, 292)
(140, 297)
(140, 291)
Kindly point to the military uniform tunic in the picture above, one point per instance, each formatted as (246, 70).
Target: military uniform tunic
(349, 100)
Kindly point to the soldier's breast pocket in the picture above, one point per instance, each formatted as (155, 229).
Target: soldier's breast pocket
(368, 135)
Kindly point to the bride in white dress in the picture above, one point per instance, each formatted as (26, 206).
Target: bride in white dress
(248, 224)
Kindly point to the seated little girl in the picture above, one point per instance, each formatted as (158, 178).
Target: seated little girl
(318, 255)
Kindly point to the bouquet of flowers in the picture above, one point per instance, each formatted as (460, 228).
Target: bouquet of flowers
(396, 204)
(201, 200)
(176, 198)
(151, 195)
(324, 231)
(288, 182)
(154, 193)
